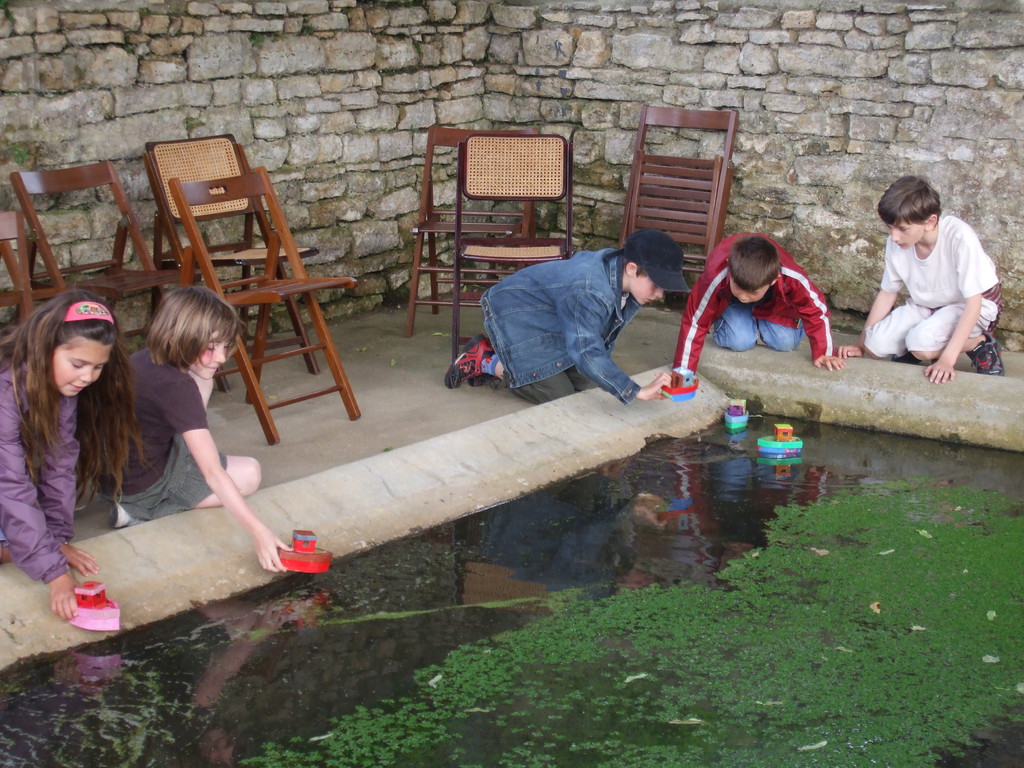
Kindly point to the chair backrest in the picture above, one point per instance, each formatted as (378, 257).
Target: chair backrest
(188, 160)
(14, 252)
(93, 177)
(442, 137)
(686, 197)
(526, 168)
(255, 190)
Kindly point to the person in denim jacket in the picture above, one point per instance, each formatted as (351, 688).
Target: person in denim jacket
(550, 328)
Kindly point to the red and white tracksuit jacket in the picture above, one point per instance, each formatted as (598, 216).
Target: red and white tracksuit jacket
(793, 298)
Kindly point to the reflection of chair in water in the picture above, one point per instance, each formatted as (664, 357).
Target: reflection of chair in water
(435, 219)
(14, 251)
(265, 289)
(497, 169)
(109, 277)
(686, 197)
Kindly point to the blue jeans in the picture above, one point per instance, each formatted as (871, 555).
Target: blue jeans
(737, 329)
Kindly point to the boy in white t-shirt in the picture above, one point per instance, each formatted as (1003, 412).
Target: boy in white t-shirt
(954, 299)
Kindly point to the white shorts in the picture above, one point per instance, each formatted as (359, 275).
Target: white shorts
(921, 329)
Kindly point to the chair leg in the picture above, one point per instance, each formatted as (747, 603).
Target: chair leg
(331, 354)
(300, 331)
(432, 255)
(414, 285)
(254, 393)
(456, 303)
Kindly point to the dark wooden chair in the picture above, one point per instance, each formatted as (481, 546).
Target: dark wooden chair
(523, 169)
(109, 277)
(201, 159)
(14, 251)
(685, 197)
(436, 217)
(283, 275)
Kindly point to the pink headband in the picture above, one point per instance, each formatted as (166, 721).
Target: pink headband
(88, 310)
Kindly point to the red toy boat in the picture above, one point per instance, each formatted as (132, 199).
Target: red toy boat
(306, 558)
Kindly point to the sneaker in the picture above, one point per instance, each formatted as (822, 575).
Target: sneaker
(906, 357)
(986, 358)
(466, 367)
(119, 518)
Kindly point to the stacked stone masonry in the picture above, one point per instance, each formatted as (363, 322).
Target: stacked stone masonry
(334, 97)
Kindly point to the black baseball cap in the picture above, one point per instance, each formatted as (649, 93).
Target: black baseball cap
(659, 256)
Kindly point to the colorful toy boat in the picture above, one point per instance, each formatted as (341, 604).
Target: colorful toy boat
(736, 416)
(95, 610)
(306, 558)
(782, 446)
(682, 387)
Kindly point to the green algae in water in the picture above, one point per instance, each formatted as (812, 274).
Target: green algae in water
(877, 628)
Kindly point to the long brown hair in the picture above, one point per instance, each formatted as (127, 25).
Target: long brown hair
(106, 408)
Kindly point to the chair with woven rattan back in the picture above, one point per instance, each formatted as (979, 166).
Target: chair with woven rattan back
(112, 277)
(201, 159)
(436, 217)
(533, 169)
(14, 252)
(685, 197)
(283, 276)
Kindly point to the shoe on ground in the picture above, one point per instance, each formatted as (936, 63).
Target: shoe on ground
(119, 518)
(906, 357)
(466, 368)
(986, 358)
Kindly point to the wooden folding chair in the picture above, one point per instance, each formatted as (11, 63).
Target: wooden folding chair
(437, 217)
(685, 197)
(115, 280)
(265, 289)
(14, 252)
(201, 159)
(526, 169)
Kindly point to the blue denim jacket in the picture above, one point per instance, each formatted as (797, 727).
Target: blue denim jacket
(552, 316)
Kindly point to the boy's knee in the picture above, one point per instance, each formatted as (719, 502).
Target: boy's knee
(736, 344)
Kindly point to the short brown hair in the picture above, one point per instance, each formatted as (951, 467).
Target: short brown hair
(909, 200)
(753, 263)
(186, 322)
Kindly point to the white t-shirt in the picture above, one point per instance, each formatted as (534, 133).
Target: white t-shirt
(957, 267)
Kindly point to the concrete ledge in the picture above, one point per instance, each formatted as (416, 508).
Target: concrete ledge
(877, 394)
(171, 565)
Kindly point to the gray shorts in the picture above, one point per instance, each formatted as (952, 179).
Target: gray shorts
(181, 487)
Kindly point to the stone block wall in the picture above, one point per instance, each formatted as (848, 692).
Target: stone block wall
(836, 100)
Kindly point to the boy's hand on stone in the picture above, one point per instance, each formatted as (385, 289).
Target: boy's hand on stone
(939, 372)
(653, 390)
(830, 362)
(847, 350)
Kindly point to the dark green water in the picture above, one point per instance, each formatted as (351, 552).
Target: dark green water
(210, 687)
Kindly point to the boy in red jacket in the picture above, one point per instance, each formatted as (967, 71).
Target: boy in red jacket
(751, 288)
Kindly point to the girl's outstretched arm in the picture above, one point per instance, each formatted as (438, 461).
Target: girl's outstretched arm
(204, 450)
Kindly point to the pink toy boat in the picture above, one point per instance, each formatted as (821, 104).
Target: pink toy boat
(95, 610)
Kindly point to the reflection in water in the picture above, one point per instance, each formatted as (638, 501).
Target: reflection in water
(209, 687)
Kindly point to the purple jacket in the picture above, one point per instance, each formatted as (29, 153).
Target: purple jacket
(37, 519)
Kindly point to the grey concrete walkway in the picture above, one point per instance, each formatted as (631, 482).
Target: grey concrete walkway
(422, 454)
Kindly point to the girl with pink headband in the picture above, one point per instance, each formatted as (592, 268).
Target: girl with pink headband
(60, 420)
